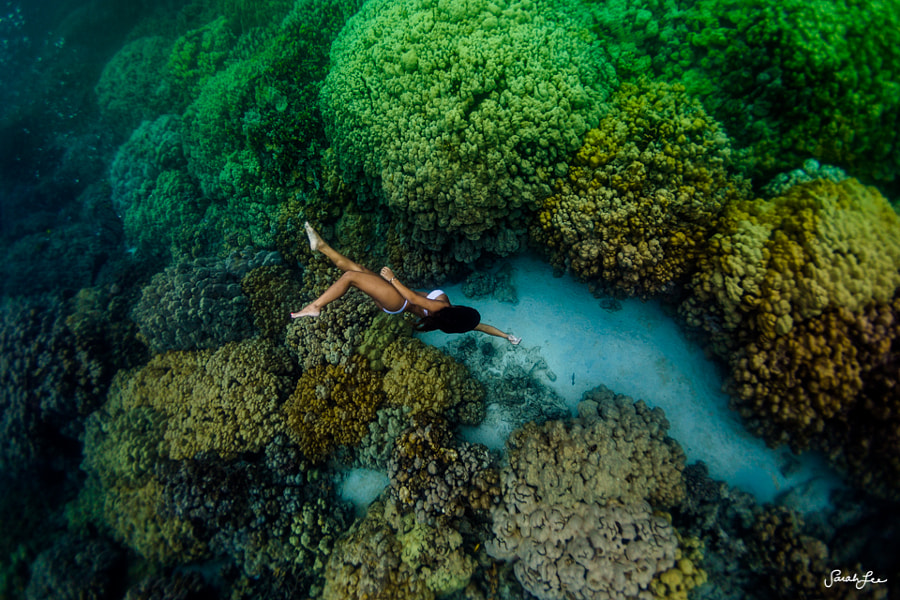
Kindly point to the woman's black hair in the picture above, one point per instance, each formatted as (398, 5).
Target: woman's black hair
(451, 319)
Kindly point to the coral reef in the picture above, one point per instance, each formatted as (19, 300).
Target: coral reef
(57, 360)
(642, 192)
(271, 292)
(332, 337)
(768, 551)
(366, 564)
(258, 504)
(799, 295)
(389, 554)
(789, 80)
(575, 517)
(129, 89)
(332, 406)
(374, 451)
(423, 379)
(185, 306)
(455, 116)
(820, 80)
(197, 55)
(161, 209)
(276, 517)
(384, 330)
(439, 478)
(616, 450)
(773, 263)
(585, 550)
(76, 569)
(226, 401)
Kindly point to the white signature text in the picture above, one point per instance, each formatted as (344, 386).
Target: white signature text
(836, 577)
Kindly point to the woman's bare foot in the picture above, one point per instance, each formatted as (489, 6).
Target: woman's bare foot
(315, 240)
(308, 311)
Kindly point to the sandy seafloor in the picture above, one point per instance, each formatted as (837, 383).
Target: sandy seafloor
(638, 350)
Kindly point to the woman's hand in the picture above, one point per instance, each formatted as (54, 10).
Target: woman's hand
(387, 274)
(514, 340)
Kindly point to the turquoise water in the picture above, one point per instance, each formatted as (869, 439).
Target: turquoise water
(686, 210)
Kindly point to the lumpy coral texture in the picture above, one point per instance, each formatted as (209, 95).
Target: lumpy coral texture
(773, 263)
(641, 195)
(799, 295)
(576, 516)
(457, 113)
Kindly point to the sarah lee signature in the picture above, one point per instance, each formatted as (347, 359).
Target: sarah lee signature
(836, 577)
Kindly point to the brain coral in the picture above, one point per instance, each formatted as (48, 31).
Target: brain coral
(642, 192)
(459, 112)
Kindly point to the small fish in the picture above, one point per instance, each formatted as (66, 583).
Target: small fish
(573, 379)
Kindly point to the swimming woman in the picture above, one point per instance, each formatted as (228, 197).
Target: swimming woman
(434, 309)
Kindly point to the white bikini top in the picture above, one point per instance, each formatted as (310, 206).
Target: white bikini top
(433, 295)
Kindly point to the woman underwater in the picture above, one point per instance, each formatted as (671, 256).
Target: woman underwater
(434, 309)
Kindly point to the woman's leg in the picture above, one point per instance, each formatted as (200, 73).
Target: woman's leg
(340, 261)
(382, 292)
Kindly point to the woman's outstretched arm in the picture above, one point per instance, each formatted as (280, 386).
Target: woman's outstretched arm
(491, 330)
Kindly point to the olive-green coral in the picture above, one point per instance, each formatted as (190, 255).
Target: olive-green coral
(636, 207)
(225, 401)
(122, 496)
(424, 379)
(777, 262)
(332, 406)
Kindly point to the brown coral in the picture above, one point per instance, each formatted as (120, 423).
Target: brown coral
(438, 478)
(617, 450)
(332, 406)
(774, 263)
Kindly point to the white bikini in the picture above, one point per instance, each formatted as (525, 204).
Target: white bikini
(433, 295)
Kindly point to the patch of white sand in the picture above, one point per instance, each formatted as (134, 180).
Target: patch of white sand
(641, 352)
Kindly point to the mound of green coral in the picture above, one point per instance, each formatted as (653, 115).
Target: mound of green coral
(456, 114)
(225, 401)
(789, 80)
(389, 555)
(423, 379)
(637, 204)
